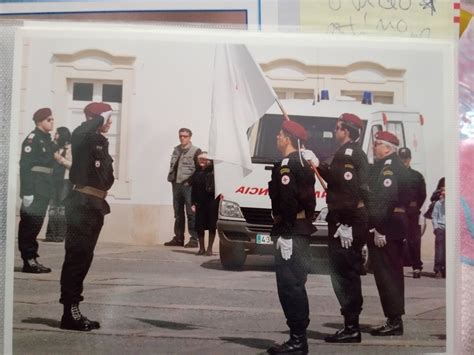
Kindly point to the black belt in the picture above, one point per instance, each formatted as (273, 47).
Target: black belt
(89, 190)
(42, 169)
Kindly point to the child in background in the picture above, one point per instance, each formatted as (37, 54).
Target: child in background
(439, 227)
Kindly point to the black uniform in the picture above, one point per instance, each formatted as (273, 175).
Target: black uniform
(91, 172)
(387, 214)
(36, 168)
(346, 198)
(202, 196)
(417, 193)
(293, 200)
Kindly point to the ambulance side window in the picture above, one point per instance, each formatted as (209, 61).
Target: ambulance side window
(373, 131)
(397, 129)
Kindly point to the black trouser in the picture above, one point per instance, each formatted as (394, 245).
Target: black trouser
(345, 264)
(31, 221)
(387, 263)
(291, 276)
(83, 228)
(414, 241)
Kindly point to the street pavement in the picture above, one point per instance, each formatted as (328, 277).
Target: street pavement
(159, 300)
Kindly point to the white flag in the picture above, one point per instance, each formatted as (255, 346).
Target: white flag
(241, 96)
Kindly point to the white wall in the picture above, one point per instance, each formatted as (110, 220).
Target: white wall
(173, 89)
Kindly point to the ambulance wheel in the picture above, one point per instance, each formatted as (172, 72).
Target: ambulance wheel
(232, 255)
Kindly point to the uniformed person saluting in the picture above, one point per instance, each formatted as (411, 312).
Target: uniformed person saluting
(347, 222)
(92, 175)
(293, 200)
(417, 190)
(388, 223)
(36, 188)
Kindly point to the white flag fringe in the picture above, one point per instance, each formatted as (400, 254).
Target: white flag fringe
(241, 96)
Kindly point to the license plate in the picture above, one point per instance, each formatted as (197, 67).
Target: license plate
(263, 239)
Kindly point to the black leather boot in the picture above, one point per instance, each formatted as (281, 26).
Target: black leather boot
(349, 334)
(175, 242)
(297, 344)
(73, 319)
(393, 326)
(31, 266)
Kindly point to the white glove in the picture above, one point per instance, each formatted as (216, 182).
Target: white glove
(28, 200)
(106, 115)
(344, 232)
(286, 247)
(379, 239)
(310, 157)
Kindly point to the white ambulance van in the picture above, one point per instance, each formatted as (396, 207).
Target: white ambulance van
(245, 219)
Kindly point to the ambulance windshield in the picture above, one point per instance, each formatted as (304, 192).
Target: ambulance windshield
(320, 132)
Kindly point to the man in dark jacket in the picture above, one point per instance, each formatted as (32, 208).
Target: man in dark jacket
(347, 222)
(388, 222)
(36, 188)
(92, 175)
(417, 190)
(293, 201)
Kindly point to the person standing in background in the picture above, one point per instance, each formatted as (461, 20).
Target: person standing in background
(439, 228)
(182, 167)
(36, 188)
(204, 202)
(56, 230)
(417, 193)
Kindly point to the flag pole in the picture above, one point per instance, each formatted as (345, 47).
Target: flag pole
(315, 170)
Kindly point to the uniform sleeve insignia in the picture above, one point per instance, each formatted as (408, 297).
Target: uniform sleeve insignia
(97, 163)
(285, 161)
(99, 147)
(348, 166)
(27, 149)
(44, 150)
(348, 152)
(31, 136)
(285, 179)
(388, 173)
(388, 161)
(284, 171)
(387, 182)
(348, 176)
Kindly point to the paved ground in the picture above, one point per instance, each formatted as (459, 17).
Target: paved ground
(162, 300)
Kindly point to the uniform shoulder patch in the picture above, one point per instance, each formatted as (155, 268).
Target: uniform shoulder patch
(27, 149)
(387, 172)
(387, 182)
(31, 136)
(348, 166)
(349, 151)
(348, 176)
(285, 179)
(284, 170)
(285, 161)
(388, 162)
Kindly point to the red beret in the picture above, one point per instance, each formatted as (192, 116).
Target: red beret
(387, 137)
(351, 120)
(42, 114)
(96, 109)
(295, 129)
